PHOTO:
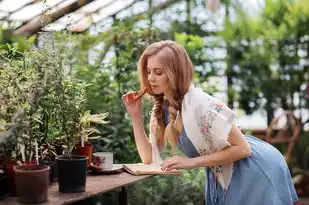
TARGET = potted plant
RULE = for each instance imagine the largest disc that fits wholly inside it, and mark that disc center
(10, 124)
(72, 169)
(23, 84)
(30, 179)
(89, 132)
(9, 135)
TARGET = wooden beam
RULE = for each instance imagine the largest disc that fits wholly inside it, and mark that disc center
(87, 14)
(35, 25)
(154, 9)
(137, 17)
(25, 22)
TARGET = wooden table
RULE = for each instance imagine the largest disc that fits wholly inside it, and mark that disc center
(95, 185)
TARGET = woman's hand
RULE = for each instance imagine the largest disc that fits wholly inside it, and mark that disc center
(178, 162)
(133, 106)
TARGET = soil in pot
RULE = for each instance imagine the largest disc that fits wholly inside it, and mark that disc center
(72, 173)
(32, 182)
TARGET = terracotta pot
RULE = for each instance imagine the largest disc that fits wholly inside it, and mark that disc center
(32, 183)
(11, 177)
(87, 151)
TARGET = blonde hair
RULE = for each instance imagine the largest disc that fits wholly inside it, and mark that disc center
(179, 70)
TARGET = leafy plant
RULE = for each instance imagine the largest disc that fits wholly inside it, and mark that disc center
(21, 88)
(40, 104)
(70, 104)
(67, 95)
(87, 128)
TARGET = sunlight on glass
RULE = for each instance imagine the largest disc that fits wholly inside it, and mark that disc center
(116, 6)
(12, 5)
(27, 12)
(93, 6)
(3, 14)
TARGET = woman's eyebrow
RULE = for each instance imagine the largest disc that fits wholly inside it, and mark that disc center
(154, 68)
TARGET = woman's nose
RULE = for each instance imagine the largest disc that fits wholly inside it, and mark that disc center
(151, 77)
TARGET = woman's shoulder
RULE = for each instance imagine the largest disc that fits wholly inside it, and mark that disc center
(198, 95)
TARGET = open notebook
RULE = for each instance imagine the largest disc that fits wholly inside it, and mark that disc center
(140, 168)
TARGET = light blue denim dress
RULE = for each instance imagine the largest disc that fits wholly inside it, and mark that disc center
(261, 179)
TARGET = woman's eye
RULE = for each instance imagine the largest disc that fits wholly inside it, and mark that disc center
(156, 72)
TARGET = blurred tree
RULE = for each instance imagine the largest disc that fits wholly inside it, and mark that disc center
(268, 56)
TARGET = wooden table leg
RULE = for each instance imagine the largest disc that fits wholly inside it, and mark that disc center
(123, 198)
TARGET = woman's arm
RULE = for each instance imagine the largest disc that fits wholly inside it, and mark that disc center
(141, 140)
(134, 108)
(239, 149)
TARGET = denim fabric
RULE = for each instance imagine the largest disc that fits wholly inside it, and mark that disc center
(261, 179)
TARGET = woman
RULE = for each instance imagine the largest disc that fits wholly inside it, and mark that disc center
(241, 170)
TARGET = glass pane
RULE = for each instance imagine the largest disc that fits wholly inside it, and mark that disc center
(3, 14)
(50, 3)
(108, 9)
(81, 20)
(12, 5)
(36, 9)
(105, 12)
(27, 12)
(93, 6)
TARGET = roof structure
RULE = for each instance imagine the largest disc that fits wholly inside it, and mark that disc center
(31, 16)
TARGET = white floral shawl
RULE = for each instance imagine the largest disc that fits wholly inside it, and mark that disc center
(207, 123)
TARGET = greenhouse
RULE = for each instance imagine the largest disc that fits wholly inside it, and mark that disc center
(163, 102)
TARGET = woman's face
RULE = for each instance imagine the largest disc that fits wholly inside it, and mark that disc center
(157, 77)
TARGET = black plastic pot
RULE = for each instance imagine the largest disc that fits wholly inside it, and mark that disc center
(52, 171)
(4, 186)
(72, 173)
